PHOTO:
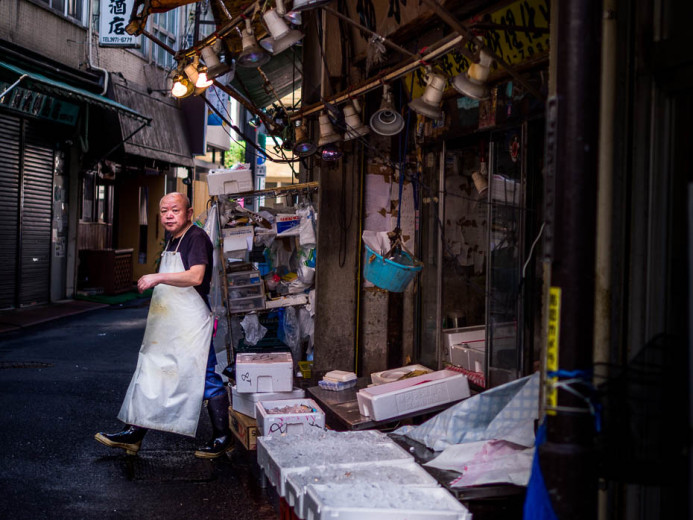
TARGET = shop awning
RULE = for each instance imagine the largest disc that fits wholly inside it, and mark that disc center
(47, 85)
(284, 72)
(165, 138)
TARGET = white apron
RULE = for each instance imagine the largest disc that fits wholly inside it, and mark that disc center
(168, 384)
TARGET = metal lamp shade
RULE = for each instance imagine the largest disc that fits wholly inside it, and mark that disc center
(215, 67)
(428, 105)
(330, 152)
(386, 121)
(276, 46)
(182, 87)
(275, 24)
(469, 87)
(252, 55)
(355, 128)
(327, 133)
(303, 147)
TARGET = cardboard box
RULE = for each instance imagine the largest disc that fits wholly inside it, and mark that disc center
(245, 403)
(244, 428)
(288, 423)
(412, 395)
(264, 372)
(224, 182)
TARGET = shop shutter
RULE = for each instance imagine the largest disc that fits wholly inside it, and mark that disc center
(9, 207)
(36, 217)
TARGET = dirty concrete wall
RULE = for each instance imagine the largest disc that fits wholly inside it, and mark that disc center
(379, 338)
(338, 250)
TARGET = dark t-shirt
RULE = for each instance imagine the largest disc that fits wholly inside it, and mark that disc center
(196, 249)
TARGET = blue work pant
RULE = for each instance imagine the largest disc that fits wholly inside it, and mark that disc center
(214, 384)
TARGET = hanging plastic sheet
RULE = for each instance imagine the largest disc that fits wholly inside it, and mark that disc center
(507, 412)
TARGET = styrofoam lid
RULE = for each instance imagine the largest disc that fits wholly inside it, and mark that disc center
(339, 376)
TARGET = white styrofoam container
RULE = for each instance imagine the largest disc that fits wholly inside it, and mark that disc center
(468, 357)
(282, 455)
(245, 403)
(381, 502)
(474, 336)
(223, 181)
(412, 395)
(297, 483)
(264, 372)
(288, 423)
(393, 374)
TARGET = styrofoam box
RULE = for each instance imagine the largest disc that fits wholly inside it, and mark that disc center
(381, 502)
(393, 374)
(245, 403)
(410, 474)
(264, 372)
(288, 423)
(282, 455)
(221, 182)
(412, 395)
(468, 357)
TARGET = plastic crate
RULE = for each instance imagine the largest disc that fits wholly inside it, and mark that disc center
(247, 304)
(244, 278)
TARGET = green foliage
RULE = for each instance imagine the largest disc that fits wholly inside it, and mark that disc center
(235, 154)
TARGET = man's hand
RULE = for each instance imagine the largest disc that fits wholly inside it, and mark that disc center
(189, 278)
(148, 281)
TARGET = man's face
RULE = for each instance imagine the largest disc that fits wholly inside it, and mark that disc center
(174, 215)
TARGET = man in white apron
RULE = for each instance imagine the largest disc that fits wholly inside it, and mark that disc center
(175, 368)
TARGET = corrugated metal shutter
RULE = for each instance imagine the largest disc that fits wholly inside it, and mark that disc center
(9, 207)
(36, 217)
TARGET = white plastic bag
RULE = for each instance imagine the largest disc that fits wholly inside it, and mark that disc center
(254, 330)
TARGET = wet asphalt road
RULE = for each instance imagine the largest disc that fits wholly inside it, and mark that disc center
(63, 381)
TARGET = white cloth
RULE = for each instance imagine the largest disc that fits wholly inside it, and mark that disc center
(167, 387)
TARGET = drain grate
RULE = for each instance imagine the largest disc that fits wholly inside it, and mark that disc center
(24, 364)
(168, 466)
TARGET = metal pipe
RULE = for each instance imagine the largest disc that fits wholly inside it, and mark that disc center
(567, 458)
(90, 35)
(385, 41)
(602, 303)
(445, 46)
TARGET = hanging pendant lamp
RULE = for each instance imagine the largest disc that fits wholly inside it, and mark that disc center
(429, 103)
(386, 121)
(327, 132)
(252, 55)
(281, 36)
(303, 146)
(354, 127)
(215, 67)
(472, 83)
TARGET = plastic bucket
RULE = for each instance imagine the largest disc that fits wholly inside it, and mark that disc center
(388, 273)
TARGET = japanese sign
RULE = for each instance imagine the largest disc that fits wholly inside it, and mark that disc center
(553, 337)
(115, 15)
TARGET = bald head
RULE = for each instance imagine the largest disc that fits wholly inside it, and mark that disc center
(176, 196)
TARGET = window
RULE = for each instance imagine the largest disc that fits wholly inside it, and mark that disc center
(165, 28)
(75, 9)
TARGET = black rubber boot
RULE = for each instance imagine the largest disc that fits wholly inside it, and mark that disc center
(130, 439)
(222, 440)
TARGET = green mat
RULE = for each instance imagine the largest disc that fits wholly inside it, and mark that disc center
(112, 299)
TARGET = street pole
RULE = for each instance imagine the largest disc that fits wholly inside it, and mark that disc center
(567, 458)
